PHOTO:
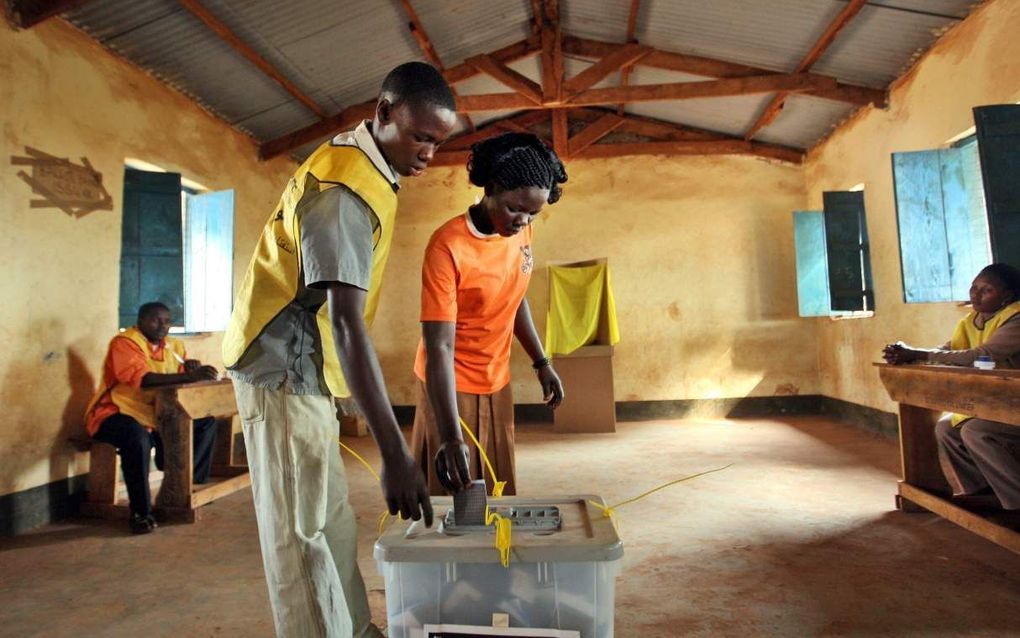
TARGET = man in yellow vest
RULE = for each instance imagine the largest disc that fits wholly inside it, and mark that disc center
(123, 410)
(298, 335)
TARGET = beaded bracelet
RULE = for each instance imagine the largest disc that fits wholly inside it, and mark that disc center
(538, 364)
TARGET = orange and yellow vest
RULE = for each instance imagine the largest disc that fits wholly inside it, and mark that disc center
(140, 403)
(272, 280)
(966, 336)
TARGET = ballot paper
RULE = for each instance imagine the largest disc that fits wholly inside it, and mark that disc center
(469, 505)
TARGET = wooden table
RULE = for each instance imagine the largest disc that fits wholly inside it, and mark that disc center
(924, 392)
(178, 498)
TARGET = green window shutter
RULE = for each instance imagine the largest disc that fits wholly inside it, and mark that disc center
(998, 135)
(152, 255)
(846, 242)
(812, 263)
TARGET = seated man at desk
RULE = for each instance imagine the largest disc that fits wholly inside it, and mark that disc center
(978, 455)
(123, 410)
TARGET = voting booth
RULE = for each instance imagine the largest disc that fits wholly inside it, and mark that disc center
(581, 330)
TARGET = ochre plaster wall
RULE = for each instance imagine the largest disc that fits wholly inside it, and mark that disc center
(61, 93)
(701, 253)
(976, 63)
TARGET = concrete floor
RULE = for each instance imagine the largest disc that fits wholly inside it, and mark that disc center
(798, 538)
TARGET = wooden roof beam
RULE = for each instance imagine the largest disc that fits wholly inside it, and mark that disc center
(635, 6)
(552, 52)
(339, 122)
(228, 36)
(711, 68)
(561, 132)
(28, 13)
(840, 22)
(615, 61)
(507, 77)
(522, 120)
(707, 147)
(417, 30)
(593, 133)
(795, 83)
(353, 114)
(673, 139)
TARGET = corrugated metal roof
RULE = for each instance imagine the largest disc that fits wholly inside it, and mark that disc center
(464, 28)
(804, 121)
(339, 52)
(880, 44)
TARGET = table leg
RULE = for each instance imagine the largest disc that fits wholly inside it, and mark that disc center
(175, 428)
(919, 453)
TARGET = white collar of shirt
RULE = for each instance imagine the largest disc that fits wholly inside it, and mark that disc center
(362, 138)
(474, 229)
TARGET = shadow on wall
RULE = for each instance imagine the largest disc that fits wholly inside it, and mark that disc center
(58, 497)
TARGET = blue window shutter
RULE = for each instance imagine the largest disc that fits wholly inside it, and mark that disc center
(966, 218)
(921, 220)
(812, 263)
(846, 241)
(998, 135)
(151, 263)
(208, 260)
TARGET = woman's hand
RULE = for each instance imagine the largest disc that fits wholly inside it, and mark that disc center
(899, 353)
(452, 465)
(552, 387)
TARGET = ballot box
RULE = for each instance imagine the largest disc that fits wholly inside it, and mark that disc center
(563, 562)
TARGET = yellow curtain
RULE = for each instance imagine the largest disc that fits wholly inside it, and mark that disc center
(581, 308)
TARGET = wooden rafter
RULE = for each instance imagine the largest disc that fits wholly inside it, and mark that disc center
(356, 112)
(507, 77)
(794, 83)
(711, 68)
(515, 122)
(228, 36)
(417, 30)
(615, 61)
(666, 138)
(840, 22)
(560, 132)
(552, 52)
(339, 122)
(635, 7)
(593, 133)
(28, 13)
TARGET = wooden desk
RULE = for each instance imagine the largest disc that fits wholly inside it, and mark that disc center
(178, 498)
(924, 392)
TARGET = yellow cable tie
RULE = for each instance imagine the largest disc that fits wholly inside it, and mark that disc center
(497, 485)
(358, 456)
(504, 532)
(610, 511)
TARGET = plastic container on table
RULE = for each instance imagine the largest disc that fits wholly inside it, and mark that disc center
(984, 362)
(561, 578)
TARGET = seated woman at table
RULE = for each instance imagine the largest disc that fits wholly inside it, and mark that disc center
(976, 454)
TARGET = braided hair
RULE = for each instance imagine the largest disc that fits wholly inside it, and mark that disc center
(1005, 275)
(516, 160)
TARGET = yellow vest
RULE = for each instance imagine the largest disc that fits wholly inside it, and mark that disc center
(140, 403)
(966, 336)
(272, 280)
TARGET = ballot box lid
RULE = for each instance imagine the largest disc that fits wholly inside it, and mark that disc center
(585, 535)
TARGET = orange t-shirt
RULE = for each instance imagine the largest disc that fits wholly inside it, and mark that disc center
(477, 281)
(125, 364)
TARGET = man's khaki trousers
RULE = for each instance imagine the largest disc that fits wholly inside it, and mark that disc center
(306, 525)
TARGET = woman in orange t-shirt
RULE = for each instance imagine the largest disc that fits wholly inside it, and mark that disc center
(474, 277)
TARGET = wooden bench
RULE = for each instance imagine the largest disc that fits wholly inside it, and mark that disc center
(924, 392)
(178, 498)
